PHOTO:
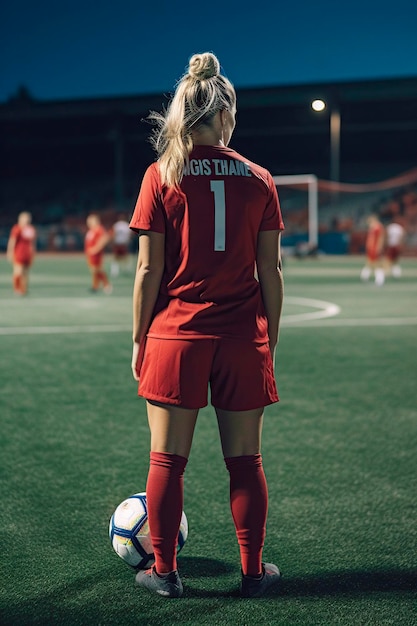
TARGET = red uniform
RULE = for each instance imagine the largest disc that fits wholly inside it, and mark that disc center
(211, 225)
(209, 291)
(373, 242)
(92, 237)
(24, 247)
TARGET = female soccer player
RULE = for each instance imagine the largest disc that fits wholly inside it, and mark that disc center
(96, 239)
(121, 237)
(208, 221)
(21, 251)
(374, 247)
(395, 233)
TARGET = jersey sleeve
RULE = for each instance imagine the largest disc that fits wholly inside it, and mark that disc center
(272, 218)
(149, 213)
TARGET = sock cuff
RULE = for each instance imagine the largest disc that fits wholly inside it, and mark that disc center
(167, 460)
(241, 463)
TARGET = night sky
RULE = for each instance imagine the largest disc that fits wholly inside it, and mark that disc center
(81, 49)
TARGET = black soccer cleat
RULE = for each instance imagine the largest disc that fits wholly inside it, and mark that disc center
(257, 587)
(168, 585)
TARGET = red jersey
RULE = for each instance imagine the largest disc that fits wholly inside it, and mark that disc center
(92, 237)
(373, 241)
(25, 239)
(211, 225)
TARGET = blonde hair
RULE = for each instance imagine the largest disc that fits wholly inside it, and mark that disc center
(93, 220)
(24, 217)
(199, 95)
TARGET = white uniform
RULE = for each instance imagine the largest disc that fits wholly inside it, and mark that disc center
(122, 233)
(395, 233)
(121, 239)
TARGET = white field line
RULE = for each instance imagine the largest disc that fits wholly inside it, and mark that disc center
(325, 309)
(325, 315)
(356, 321)
(60, 330)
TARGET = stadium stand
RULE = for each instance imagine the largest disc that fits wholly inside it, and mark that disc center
(61, 160)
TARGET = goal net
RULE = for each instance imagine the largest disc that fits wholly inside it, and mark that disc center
(331, 217)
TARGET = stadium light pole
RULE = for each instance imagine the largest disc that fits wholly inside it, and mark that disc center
(319, 105)
(116, 137)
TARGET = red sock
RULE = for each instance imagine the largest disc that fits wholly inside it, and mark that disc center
(102, 277)
(96, 280)
(249, 506)
(17, 283)
(164, 495)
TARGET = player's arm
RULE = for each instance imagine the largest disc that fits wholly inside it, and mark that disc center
(380, 241)
(10, 248)
(149, 271)
(402, 239)
(101, 244)
(33, 244)
(268, 264)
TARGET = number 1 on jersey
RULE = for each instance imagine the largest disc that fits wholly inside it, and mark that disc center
(217, 187)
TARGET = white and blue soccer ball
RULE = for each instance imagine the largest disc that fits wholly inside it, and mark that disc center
(129, 532)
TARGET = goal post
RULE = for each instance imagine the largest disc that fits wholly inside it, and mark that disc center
(310, 181)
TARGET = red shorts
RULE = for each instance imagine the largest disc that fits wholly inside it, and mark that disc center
(95, 260)
(373, 255)
(23, 259)
(393, 253)
(179, 372)
(120, 250)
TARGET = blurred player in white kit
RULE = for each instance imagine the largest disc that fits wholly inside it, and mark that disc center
(395, 234)
(121, 237)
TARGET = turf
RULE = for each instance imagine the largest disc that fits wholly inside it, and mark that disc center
(339, 452)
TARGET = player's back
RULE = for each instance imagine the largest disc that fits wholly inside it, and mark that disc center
(395, 234)
(213, 225)
(121, 232)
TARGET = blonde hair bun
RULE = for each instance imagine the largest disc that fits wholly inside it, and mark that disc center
(204, 66)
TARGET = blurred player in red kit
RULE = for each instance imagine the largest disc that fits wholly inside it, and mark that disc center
(21, 251)
(96, 239)
(208, 220)
(374, 248)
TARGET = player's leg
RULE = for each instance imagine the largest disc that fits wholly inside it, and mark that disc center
(366, 272)
(172, 431)
(24, 279)
(379, 272)
(396, 270)
(240, 434)
(95, 278)
(92, 266)
(17, 278)
(243, 377)
(102, 278)
(172, 428)
(115, 266)
(367, 269)
(241, 442)
(172, 379)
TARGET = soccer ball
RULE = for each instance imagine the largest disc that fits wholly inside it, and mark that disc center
(129, 532)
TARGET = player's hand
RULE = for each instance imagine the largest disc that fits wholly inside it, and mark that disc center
(135, 354)
(137, 358)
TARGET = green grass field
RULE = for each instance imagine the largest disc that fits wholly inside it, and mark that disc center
(339, 453)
